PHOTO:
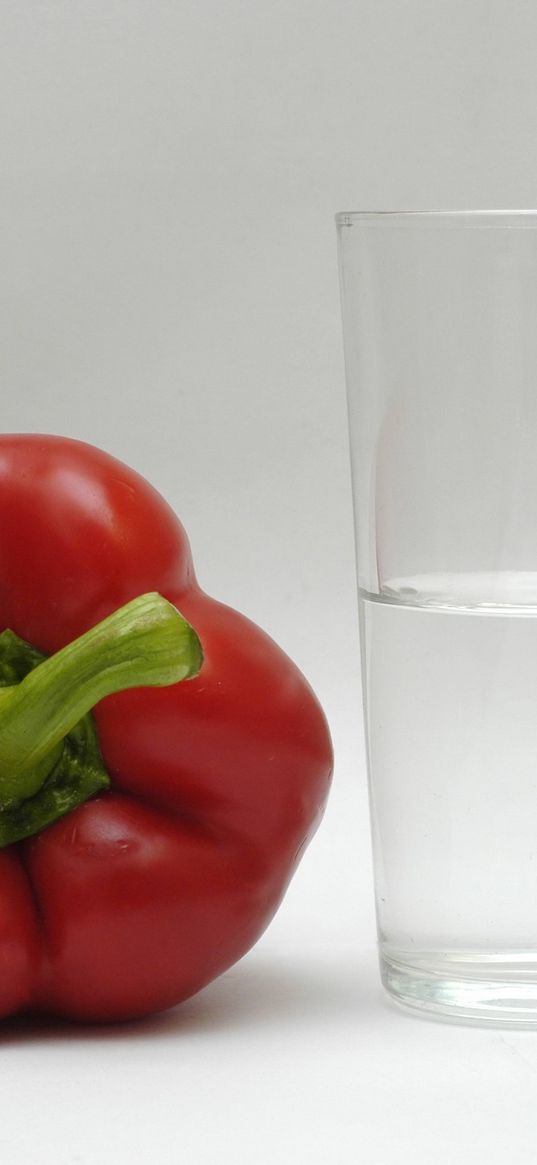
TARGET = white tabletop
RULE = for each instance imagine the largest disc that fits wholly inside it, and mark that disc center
(291, 1057)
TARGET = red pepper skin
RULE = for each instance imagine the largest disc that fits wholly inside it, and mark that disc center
(137, 899)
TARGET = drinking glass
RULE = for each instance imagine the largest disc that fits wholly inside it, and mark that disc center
(440, 337)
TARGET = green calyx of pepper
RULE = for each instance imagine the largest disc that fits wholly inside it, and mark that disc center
(50, 761)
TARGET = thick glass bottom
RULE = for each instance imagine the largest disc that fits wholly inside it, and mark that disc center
(496, 989)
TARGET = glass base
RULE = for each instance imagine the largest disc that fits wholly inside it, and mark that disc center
(497, 990)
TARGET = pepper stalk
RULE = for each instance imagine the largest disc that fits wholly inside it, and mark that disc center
(50, 760)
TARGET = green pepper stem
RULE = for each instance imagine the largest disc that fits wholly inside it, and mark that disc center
(145, 643)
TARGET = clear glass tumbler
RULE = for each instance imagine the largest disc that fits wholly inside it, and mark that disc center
(440, 332)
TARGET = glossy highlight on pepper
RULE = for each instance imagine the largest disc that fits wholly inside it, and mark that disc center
(206, 791)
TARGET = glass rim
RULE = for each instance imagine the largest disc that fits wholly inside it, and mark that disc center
(500, 218)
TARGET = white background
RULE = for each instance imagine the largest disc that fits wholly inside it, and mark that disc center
(169, 172)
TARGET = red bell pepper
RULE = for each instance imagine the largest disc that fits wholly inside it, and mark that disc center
(145, 846)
